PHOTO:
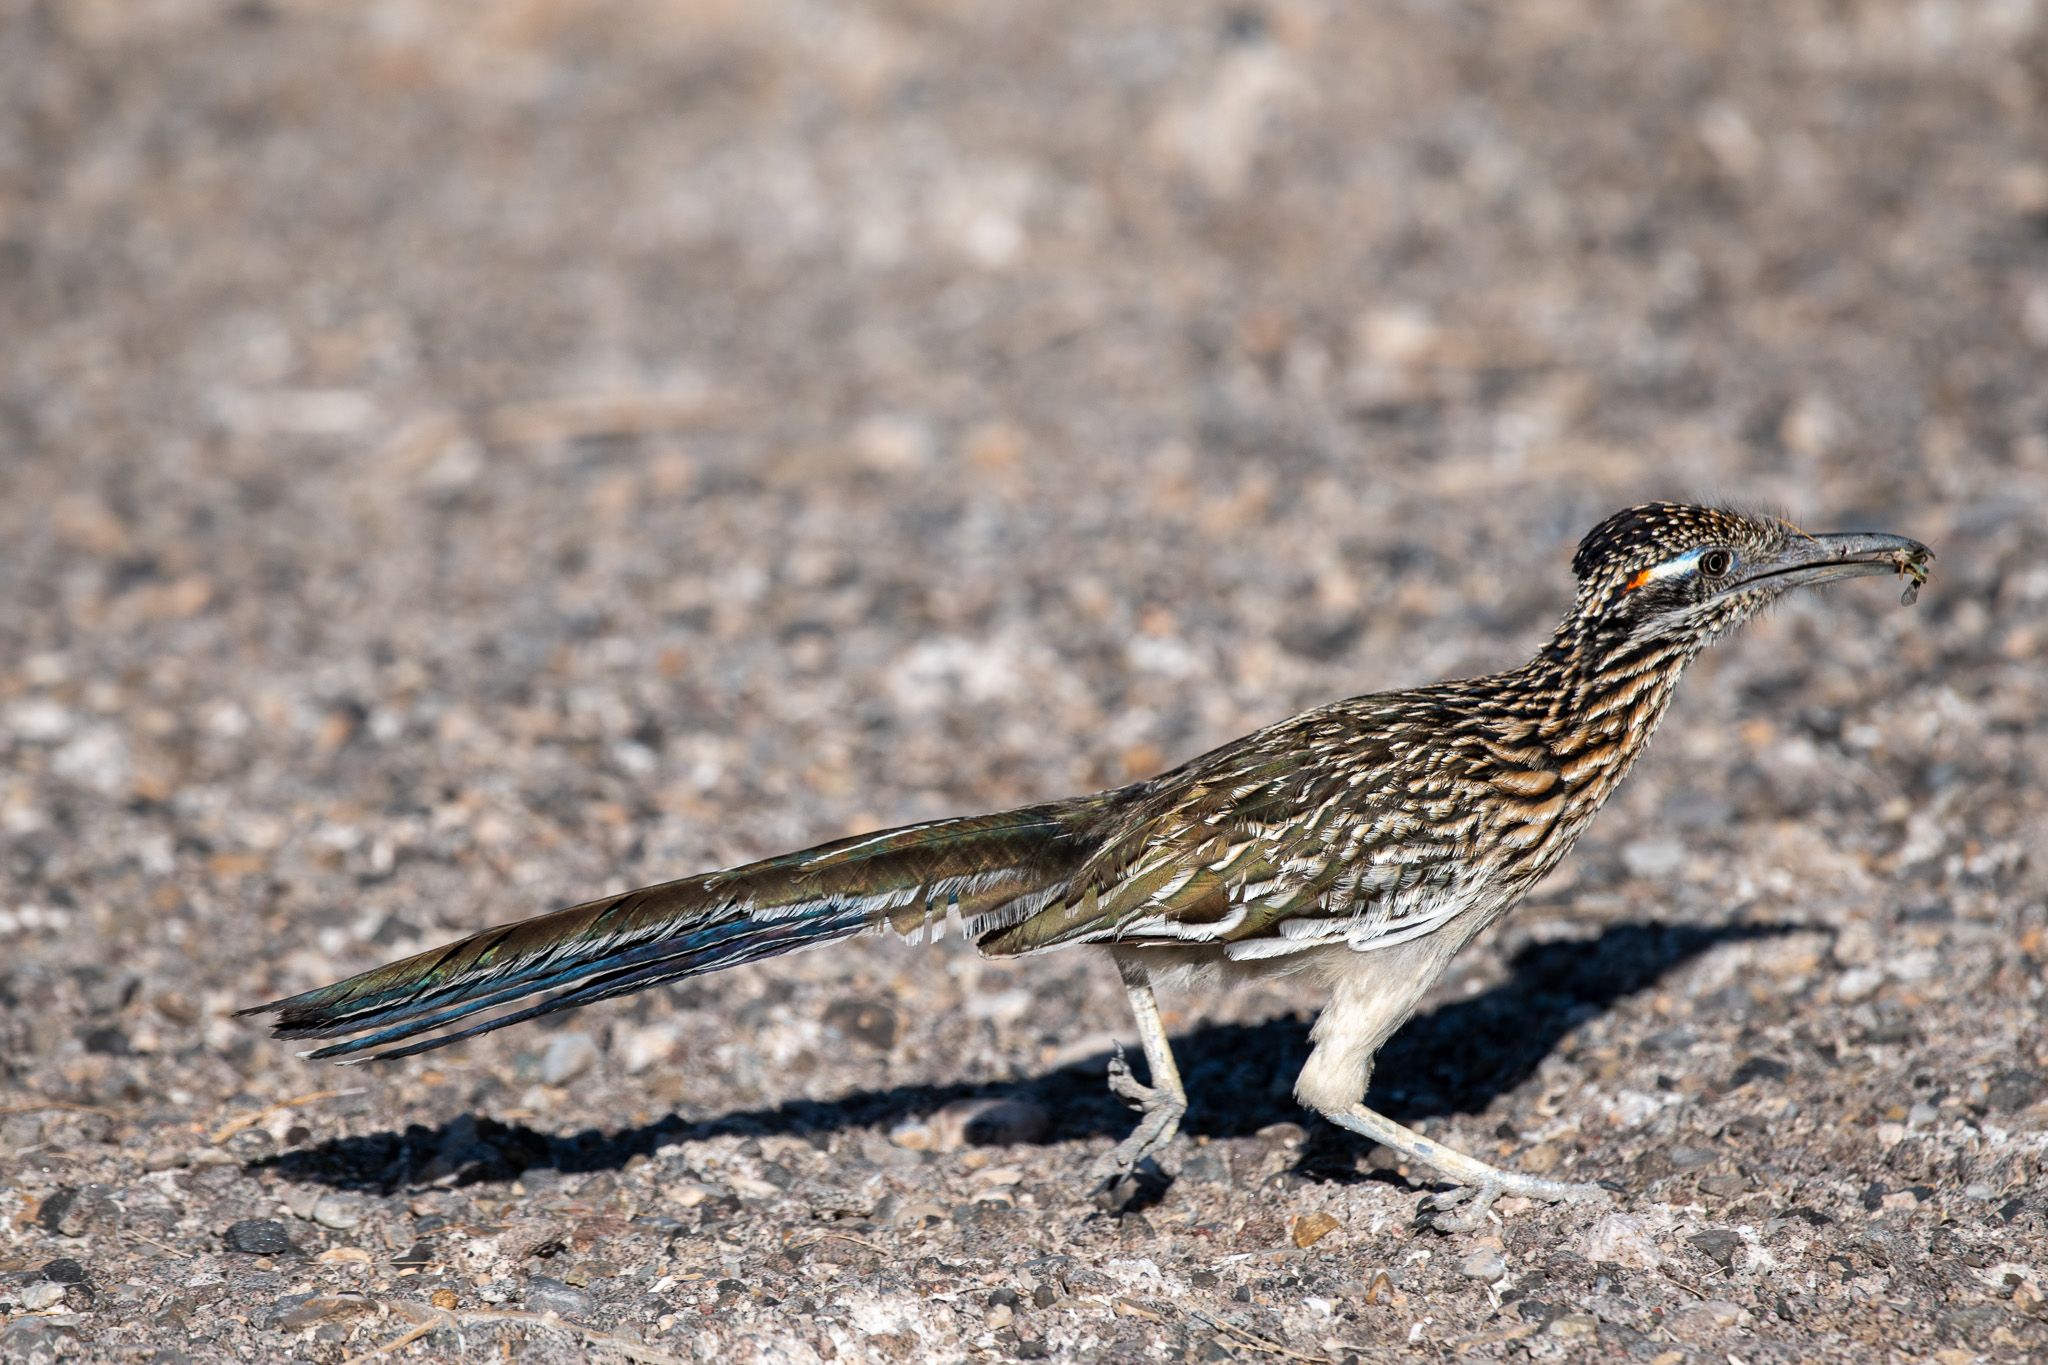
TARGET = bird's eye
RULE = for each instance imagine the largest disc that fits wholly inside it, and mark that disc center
(1716, 563)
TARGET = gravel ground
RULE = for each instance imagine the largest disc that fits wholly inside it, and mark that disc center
(461, 459)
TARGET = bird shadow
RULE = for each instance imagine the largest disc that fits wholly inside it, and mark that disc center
(1455, 1059)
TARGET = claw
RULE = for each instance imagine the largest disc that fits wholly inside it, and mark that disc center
(1161, 1117)
(1125, 1086)
(1477, 1201)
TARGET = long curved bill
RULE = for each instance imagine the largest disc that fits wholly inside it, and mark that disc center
(1841, 554)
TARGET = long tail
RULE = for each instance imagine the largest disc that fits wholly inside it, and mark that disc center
(982, 871)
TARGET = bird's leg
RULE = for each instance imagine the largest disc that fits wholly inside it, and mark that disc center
(1161, 1103)
(1479, 1184)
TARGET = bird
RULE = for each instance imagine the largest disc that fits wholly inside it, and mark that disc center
(1354, 849)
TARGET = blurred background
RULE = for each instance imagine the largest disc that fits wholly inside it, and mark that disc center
(457, 460)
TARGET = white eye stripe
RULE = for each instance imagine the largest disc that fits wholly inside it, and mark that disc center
(1671, 568)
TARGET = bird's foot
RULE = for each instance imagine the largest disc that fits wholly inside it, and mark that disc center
(1465, 1208)
(1160, 1113)
(1477, 1185)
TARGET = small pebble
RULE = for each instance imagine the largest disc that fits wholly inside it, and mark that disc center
(259, 1237)
(1486, 1265)
(1720, 1245)
(569, 1055)
(76, 1211)
(640, 1049)
(1706, 1315)
(869, 1022)
(1654, 859)
(687, 1194)
(36, 1297)
(338, 1212)
(1623, 1240)
(918, 1215)
(1312, 1228)
(2012, 1091)
(1723, 1185)
(547, 1295)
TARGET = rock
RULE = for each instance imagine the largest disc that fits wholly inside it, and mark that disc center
(259, 1237)
(547, 1295)
(918, 1215)
(569, 1055)
(36, 1297)
(18, 1131)
(1312, 1228)
(639, 1049)
(2014, 1090)
(1282, 1136)
(337, 1211)
(1758, 1068)
(75, 1211)
(1206, 1167)
(914, 1134)
(1706, 1316)
(64, 1270)
(1623, 1240)
(1719, 1245)
(40, 720)
(869, 1022)
(1486, 1265)
(106, 1040)
(1654, 859)
(687, 1194)
(35, 1341)
(97, 758)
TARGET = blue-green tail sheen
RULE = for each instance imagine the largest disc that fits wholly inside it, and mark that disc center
(981, 872)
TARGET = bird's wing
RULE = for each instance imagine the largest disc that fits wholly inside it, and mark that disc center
(1292, 837)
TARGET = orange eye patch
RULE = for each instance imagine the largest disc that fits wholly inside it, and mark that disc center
(1642, 576)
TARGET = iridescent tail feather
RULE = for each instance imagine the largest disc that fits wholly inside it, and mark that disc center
(979, 873)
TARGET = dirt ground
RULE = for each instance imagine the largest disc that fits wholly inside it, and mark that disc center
(456, 460)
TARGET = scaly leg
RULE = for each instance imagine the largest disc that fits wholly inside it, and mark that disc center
(1480, 1184)
(1161, 1103)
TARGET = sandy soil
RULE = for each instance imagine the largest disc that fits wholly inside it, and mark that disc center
(455, 460)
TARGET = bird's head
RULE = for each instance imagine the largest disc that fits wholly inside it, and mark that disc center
(1669, 571)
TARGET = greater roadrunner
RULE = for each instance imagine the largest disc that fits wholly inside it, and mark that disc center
(1359, 845)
